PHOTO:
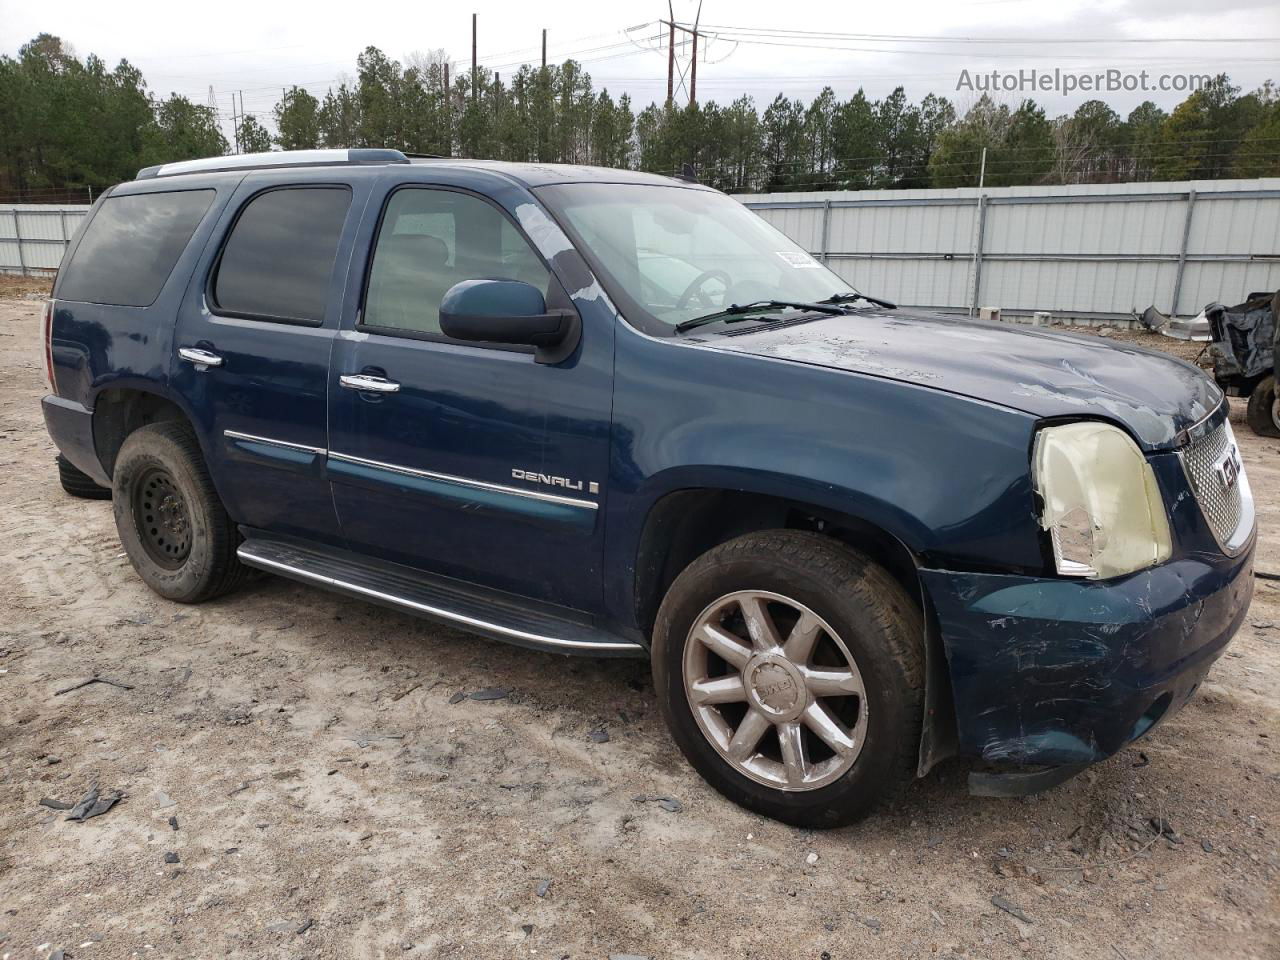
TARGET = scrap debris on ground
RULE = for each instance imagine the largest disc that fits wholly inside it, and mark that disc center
(339, 800)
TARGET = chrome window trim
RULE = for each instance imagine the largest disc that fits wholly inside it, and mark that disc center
(466, 482)
(249, 557)
(289, 445)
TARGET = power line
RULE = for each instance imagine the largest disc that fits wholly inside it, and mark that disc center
(969, 55)
(934, 38)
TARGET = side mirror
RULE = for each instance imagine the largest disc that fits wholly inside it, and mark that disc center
(508, 311)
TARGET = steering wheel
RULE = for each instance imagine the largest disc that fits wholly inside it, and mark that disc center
(696, 288)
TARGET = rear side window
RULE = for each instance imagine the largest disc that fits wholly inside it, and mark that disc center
(129, 248)
(278, 260)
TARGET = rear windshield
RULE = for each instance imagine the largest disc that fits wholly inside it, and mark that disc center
(129, 248)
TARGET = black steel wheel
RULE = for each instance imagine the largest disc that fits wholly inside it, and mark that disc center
(162, 518)
(171, 522)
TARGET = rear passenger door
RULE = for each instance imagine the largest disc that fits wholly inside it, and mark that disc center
(253, 344)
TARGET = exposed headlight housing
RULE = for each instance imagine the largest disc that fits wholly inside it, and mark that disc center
(1102, 505)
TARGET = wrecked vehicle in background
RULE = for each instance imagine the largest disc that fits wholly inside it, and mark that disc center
(1244, 356)
(617, 414)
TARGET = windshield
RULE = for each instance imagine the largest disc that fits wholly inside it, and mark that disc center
(669, 254)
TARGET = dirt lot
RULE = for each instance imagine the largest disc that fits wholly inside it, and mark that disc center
(300, 755)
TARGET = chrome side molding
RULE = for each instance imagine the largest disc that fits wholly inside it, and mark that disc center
(423, 474)
(466, 482)
(287, 444)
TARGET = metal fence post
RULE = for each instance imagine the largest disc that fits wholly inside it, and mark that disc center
(1182, 252)
(17, 237)
(826, 230)
(977, 253)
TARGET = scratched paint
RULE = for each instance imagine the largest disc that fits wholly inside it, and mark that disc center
(1095, 664)
(1043, 372)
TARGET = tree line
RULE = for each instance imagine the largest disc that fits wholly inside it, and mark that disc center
(65, 122)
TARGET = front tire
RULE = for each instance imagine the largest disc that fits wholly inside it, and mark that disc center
(790, 671)
(171, 522)
(1263, 412)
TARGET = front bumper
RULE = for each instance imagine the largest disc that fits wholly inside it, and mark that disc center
(1063, 673)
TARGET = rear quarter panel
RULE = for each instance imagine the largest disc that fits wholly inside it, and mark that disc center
(98, 346)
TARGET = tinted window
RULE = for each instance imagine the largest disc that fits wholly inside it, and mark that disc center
(278, 260)
(432, 239)
(129, 248)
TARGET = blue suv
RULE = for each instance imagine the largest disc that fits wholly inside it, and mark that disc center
(617, 414)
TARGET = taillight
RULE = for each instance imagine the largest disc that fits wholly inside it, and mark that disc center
(47, 320)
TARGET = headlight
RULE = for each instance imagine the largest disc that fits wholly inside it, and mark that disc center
(1102, 506)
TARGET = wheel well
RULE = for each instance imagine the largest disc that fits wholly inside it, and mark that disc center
(117, 413)
(687, 523)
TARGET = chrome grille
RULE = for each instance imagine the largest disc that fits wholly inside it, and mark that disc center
(1222, 506)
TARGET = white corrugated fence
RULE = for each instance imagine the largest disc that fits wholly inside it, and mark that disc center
(33, 235)
(1085, 251)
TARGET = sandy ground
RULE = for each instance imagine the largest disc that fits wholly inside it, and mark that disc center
(331, 801)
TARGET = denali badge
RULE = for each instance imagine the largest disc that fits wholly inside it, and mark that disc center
(552, 481)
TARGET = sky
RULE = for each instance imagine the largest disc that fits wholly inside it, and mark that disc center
(748, 46)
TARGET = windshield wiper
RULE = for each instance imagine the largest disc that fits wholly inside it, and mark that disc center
(736, 312)
(850, 297)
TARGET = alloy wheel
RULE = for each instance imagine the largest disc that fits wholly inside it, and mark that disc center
(775, 690)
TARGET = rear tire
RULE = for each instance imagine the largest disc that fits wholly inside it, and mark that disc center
(865, 670)
(1262, 414)
(79, 484)
(171, 522)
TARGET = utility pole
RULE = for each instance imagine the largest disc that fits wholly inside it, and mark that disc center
(544, 48)
(448, 111)
(235, 123)
(671, 54)
(474, 90)
(692, 32)
(693, 71)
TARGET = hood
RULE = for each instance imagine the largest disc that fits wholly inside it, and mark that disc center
(1046, 373)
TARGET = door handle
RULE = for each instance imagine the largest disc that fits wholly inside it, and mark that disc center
(362, 381)
(201, 358)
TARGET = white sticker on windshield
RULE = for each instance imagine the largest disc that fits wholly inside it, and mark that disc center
(801, 261)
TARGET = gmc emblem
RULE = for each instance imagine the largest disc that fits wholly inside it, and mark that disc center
(1227, 468)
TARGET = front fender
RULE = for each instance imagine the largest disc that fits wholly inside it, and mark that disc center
(948, 476)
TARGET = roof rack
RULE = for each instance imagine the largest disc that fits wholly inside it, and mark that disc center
(277, 158)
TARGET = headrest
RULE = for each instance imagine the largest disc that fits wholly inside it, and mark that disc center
(420, 251)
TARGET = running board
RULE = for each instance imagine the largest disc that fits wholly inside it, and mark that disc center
(492, 614)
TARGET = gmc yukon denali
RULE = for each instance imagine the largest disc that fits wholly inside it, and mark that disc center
(617, 414)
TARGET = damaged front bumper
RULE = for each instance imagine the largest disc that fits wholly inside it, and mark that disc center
(1062, 673)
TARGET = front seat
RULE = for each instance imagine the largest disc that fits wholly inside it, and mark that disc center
(411, 275)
